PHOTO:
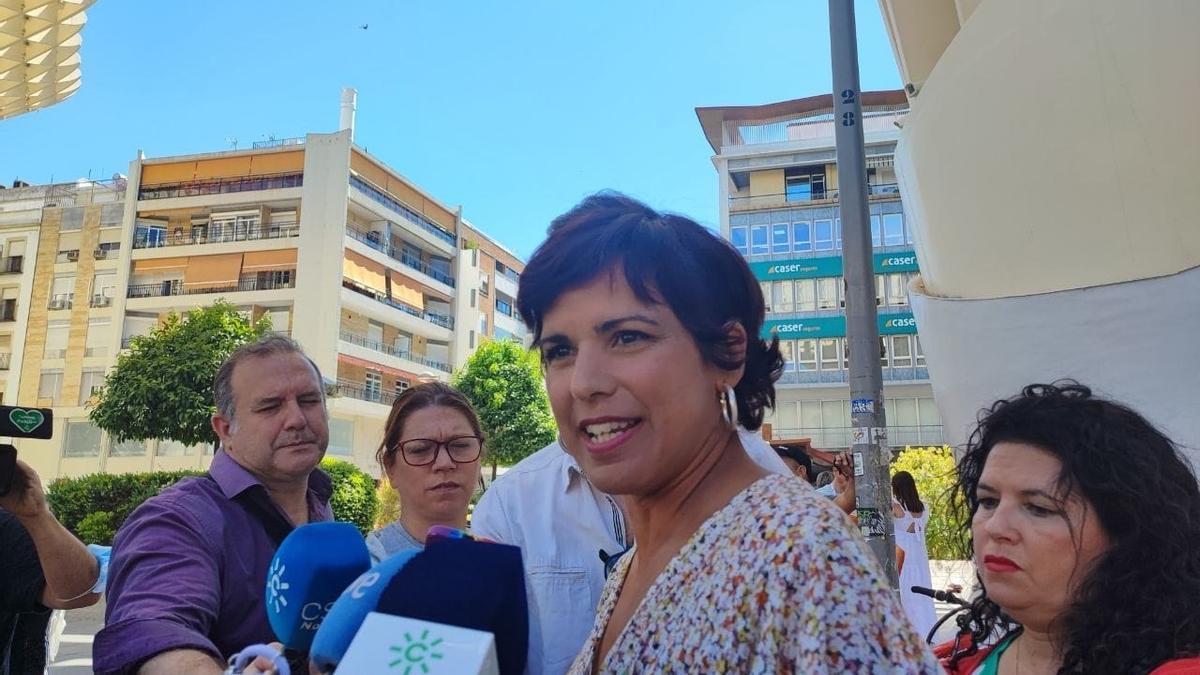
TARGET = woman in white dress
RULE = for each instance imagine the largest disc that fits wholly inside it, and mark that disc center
(910, 517)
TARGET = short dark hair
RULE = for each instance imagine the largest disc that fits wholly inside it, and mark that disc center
(267, 345)
(1136, 606)
(798, 456)
(424, 395)
(666, 259)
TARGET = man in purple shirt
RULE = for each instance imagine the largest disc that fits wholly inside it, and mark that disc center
(189, 566)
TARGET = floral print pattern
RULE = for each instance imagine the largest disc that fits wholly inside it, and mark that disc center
(777, 581)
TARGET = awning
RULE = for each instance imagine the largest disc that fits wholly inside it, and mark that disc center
(213, 270)
(159, 264)
(363, 271)
(363, 363)
(262, 261)
(405, 293)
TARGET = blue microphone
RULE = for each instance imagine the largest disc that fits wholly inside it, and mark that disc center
(311, 568)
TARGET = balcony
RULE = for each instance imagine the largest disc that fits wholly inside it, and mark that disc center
(775, 200)
(412, 216)
(842, 376)
(378, 346)
(216, 186)
(839, 437)
(12, 264)
(372, 240)
(5, 361)
(378, 296)
(364, 393)
(144, 240)
(169, 288)
(67, 256)
(62, 301)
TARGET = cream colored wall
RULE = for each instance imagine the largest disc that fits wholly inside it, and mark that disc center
(767, 183)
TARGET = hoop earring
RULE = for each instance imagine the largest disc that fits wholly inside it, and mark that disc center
(729, 410)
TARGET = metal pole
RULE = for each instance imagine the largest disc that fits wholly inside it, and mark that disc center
(869, 430)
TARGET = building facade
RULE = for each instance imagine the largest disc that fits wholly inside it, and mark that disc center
(298, 231)
(777, 171)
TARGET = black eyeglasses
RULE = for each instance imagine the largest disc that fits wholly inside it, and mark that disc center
(424, 451)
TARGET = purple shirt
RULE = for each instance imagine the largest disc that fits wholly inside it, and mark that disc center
(189, 569)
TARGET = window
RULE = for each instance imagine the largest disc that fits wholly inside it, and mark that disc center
(402, 343)
(806, 354)
(918, 353)
(82, 440)
(62, 292)
(401, 386)
(830, 357)
(440, 267)
(483, 324)
(758, 240)
(827, 293)
(781, 300)
(802, 184)
(341, 437)
(802, 237)
(897, 291)
(798, 189)
(56, 339)
(893, 229)
(837, 233)
(737, 236)
(765, 286)
(90, 385)
(483, 284)
(437, 351)
(374, 335)
(780, 238)
(806, 295)
(880, 295)
(785, 350)
(128, 448)
(50, 386)
(901, 351)
(149, 234)
(173, 449)
(504, 305)
(876, 237)
(823, 235)
(373, 385)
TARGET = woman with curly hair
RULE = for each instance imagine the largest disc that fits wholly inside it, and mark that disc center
(1085, 529)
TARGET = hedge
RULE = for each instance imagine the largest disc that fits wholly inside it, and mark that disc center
(93, 507)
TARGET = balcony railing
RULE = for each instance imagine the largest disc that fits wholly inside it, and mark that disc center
(12, 264)
(364, 393)
(379, 296)
(373, 240)
(62, 301)
(277, 142)
(167, 288)
(378, 346)
(392, 203)
(216, 186)
(842, 376)
(226, 235)
(839, 437)
(883, 190)
(5, 361)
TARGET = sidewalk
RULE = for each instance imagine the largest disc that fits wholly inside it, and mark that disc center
(75, 645)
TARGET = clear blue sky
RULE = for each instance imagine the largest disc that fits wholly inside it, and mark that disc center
(515, 110)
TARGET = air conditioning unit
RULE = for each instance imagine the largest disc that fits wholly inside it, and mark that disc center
(100, 254)
(101, 301)
(73, 255)
(58, 303)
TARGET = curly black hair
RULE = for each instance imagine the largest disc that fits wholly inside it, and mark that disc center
(1137, 605)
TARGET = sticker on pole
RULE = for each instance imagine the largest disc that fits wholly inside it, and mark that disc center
(879, 435)
(862, 405)
(858, 464)
(859, 435)
(870, 522)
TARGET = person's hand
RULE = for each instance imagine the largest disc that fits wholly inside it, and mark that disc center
(25, 499)
(263, 665)
(843, 471)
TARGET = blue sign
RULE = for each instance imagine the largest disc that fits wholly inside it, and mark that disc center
(862, 405)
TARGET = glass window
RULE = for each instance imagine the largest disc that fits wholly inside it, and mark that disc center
(82, 440)
(766, 293)
(374, 334)
(823, 235)
(901, 351)
(341, 437)
(806, 354)
(786, 350)
(128, 448)
(758, 240)
(90, 385)
(737, 236)
(876, 237)
(893, 229)
(837, 233)
(897, 291)
(802, 237)
(908, 235)
(373, 385)
(782, 300)
(880, 296)
(827, 293)
(173, 449)
(903, 413)
(810, 415)
(919, 354)
(806, 295)
(833, 415)
(928, 412)
(799, 189)
(780, 238)
(50, 385)
(830, 358)
(402, 343)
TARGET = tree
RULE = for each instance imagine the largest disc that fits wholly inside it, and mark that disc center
(933, 471)
(503, 380)
(162, 388)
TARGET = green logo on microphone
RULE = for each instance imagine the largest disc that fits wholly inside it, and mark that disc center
(416, 653)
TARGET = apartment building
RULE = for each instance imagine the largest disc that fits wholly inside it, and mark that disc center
(777, 172)
(300, 231)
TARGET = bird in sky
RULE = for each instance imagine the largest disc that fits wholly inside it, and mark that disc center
(364, 26)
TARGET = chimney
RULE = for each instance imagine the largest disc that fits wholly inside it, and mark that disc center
(349, 100)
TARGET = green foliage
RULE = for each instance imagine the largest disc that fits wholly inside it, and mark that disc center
(354, 498)
(389, 504)
(932, 469)
(162, 388)
(503, 380)
(95, 506)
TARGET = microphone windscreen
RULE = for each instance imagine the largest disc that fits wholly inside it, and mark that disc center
(359, 598)
(311, 568)
(470, 584)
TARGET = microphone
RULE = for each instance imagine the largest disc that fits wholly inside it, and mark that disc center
(311, 568)
(460, 603)
(941, 596)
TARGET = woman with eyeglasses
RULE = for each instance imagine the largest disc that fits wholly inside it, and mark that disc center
(430, 454)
